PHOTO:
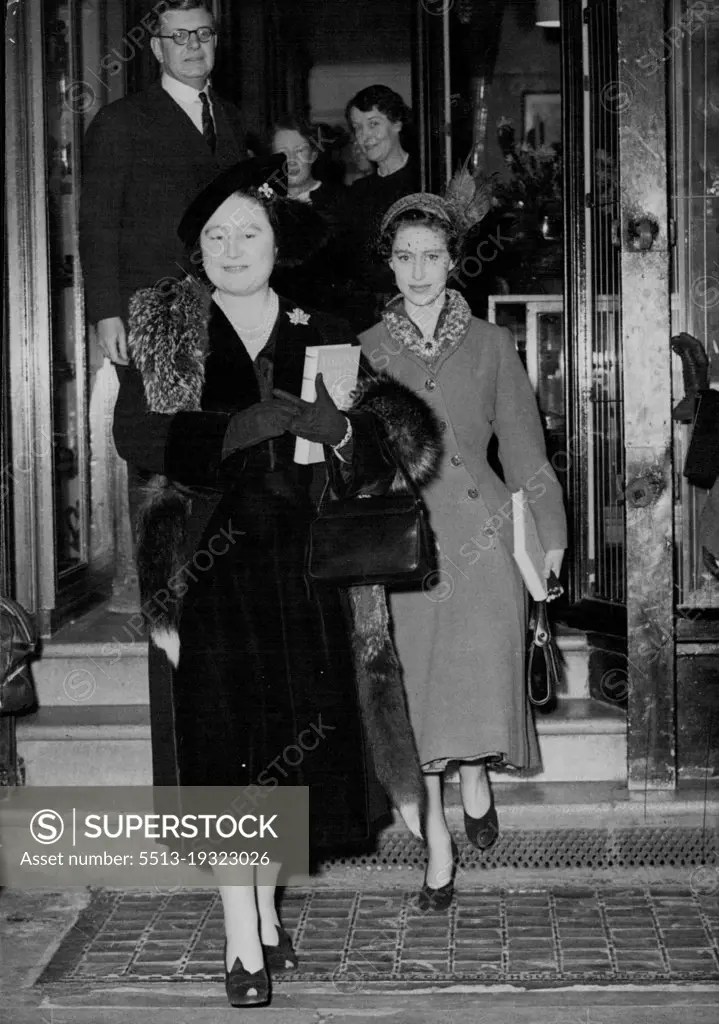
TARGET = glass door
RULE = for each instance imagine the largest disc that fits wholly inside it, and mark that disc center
(489, 77)
(67, 329)
(60, 396)
(605, 576)
(695, 271)
(78, 79)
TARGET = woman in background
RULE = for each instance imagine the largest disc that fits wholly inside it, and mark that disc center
(462, 645)
(379, 121)
(319, 281)
(356, 164)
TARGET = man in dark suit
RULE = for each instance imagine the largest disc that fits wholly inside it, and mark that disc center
(146, 156)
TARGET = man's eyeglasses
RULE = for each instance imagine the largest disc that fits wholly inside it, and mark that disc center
(181, 36)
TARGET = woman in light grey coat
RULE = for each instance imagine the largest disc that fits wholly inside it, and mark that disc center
(462, 642)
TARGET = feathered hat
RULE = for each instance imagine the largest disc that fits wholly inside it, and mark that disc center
(465, 203)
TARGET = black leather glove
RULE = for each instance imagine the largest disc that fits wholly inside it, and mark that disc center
(260, 422)
(319, 421)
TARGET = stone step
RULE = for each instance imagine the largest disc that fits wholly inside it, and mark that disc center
(583, 740)
(86, 745)
(574, 650)
(99, 659)
(112, 669)
(109, 744)
(92, 674)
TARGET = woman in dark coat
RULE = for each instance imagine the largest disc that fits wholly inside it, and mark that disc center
(379, 121)
(243, 658)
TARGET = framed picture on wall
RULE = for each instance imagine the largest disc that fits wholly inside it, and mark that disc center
(542, 118)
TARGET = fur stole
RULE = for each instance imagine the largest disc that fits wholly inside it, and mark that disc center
(168, 343)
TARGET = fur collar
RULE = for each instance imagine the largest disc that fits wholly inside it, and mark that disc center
(169, 341)
(452, 325)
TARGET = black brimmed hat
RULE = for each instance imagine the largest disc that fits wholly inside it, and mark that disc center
(264, 179)
(299, 229)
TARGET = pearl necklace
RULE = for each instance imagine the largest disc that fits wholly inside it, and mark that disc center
(254, 338)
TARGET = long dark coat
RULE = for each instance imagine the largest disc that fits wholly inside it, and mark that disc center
(262, 660)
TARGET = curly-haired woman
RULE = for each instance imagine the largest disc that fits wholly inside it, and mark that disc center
(379, 121)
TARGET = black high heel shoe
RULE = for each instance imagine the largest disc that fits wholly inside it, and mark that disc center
(483, 832)
(243, 988)
(438, 900)
(281, 957)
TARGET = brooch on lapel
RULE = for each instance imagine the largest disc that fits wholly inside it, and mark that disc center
(298, 316)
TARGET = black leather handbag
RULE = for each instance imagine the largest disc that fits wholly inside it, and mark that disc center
(368, 540)
(17, 643)
(543, 659)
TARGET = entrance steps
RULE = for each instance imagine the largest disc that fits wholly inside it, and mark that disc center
(93, 725)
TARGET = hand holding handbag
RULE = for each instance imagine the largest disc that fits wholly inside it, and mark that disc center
(17, 643)
(385, 540)
(542, 658)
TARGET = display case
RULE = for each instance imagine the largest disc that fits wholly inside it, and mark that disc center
(536, 322)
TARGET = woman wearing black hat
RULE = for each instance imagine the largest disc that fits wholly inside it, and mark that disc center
(243, 658)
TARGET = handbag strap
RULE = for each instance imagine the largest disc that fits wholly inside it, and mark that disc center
(391, 457)
(540, 622)
(541, 644)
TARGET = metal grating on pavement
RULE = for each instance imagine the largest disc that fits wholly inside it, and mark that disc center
(360, 940)
(558, 849)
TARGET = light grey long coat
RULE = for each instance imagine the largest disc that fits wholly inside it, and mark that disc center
(462, 644)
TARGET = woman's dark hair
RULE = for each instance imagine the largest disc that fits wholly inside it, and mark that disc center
(298, 228)
(154, 18)
(386, 100)
(450, 230)
(326, 142)
(288, 123)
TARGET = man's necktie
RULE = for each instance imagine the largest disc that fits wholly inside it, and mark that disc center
(208, 125)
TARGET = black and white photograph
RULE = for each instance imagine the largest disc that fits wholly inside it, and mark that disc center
(359, 519)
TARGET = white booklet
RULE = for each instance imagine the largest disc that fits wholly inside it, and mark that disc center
(339, 366)
(528, 550)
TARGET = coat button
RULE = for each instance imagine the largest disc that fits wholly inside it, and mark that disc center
(430, 384)
(456, 460)
(443, 425)
(473, 493)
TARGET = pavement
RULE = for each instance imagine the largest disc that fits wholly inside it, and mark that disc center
(609, 917)
(542, 948)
